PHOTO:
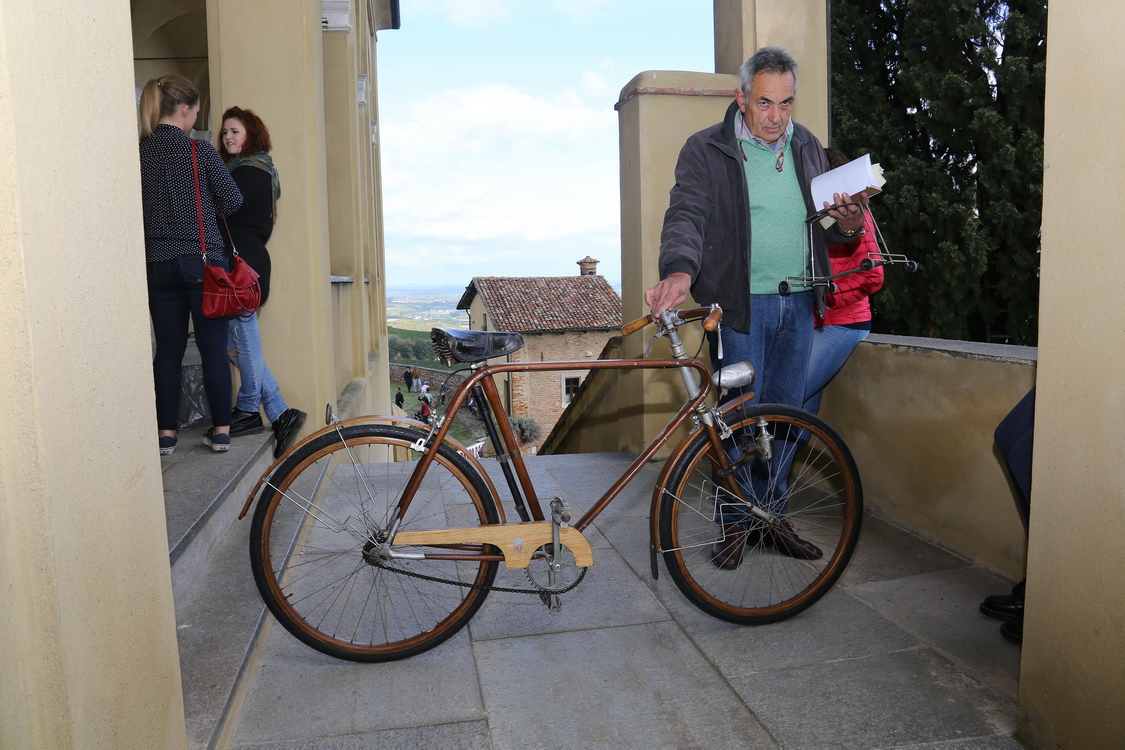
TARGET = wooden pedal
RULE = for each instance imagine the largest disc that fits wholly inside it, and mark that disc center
(518, 541)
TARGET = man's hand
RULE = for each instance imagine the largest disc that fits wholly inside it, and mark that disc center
(849, 218)
(668, 293)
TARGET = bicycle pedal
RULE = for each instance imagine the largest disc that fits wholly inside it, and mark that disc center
(553, 601)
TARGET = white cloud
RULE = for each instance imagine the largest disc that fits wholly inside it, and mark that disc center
(470, 13)
(497, 165)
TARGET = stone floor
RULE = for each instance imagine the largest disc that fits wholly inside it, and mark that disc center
(895, 656)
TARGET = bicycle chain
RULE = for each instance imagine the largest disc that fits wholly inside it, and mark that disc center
(502, 589)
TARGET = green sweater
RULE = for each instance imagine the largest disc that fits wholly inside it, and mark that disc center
(777, 219)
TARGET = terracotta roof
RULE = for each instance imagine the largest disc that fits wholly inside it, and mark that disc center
(546, 303)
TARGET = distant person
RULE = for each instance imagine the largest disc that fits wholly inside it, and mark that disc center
(443, 393)
(399, 398)
(426, 389)
(417, 373)
(847, 320)
(174, 251)
(244, 144)
(408, 378)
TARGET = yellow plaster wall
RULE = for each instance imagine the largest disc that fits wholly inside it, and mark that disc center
(272, 63)
(919, 420)
(88, 654)
(1072, 684)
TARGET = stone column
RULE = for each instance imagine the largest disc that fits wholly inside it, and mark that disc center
(1071, 684)
(801, 26)
(272, 63)
(88, 655)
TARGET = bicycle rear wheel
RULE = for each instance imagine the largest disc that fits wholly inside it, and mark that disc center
(811, 483)
(321, 515)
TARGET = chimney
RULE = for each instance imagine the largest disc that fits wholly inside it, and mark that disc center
(588, 266)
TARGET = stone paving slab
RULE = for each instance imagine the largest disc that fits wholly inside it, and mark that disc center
(461, 736)
(641, 686)
(629, 662)
(299, 693)
(610, 595)
(885, 552)
(883, 701)
(940, 609)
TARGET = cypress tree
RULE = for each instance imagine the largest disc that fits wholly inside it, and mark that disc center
(948, 97)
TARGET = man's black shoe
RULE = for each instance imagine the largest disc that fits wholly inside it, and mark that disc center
(245, 422)
(1012, 630)
(1005, 606)
(284, 428)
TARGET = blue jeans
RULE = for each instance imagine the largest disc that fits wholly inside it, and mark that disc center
(778, 345)
(258, 384)
(175, 293)
(1015, 437)
(831, 347)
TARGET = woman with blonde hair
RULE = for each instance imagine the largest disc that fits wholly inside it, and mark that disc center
(244, 144)
(175, 215)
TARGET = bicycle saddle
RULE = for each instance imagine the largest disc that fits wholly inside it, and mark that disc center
(455, 345)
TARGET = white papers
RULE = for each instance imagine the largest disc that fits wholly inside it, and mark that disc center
(855, 177)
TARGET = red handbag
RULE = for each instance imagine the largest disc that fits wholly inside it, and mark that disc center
(225, 293)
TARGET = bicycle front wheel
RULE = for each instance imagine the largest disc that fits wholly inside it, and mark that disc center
(324, 511)
(725, 559)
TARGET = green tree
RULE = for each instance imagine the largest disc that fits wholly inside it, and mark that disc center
(948, 97)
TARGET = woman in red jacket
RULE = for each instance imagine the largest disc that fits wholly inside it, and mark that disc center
(848, 318)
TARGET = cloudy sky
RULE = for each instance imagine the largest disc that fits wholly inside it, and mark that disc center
(498, 134)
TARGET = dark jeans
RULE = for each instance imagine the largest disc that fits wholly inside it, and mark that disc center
(175, 290)
(1015, 436)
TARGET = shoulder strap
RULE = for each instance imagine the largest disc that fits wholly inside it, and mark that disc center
(198, 201)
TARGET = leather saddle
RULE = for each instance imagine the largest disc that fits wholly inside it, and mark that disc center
(455, 345)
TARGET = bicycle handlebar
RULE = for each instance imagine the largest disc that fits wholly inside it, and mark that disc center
(711, 317)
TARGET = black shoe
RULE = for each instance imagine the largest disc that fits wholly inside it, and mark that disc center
(284, 428)
(244, 422)
(217, 442)
(167, 445)
(1005, 606)
(1012, 630)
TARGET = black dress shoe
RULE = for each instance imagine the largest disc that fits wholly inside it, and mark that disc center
(727, 552)
(1005, 606)
(784, 539)
(284, 428)
(1012, 630)
(244, 422)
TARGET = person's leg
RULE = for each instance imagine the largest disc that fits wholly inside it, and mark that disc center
(246, 344)
(168, 306)
(1014, 439)
(211, 337)
(831, 347)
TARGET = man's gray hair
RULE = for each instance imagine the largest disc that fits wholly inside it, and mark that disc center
(768, 60)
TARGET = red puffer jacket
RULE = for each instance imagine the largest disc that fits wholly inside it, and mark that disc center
(850, 304)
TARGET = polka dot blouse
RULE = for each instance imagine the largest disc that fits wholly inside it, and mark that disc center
(168, 193)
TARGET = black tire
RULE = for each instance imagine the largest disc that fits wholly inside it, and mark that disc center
(822, 500)
(326, 505)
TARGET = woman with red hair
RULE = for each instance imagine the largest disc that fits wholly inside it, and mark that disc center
(244, 144)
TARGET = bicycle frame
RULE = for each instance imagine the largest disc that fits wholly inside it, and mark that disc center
(515, 538)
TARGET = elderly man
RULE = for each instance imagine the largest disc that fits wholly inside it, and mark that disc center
(754, 169)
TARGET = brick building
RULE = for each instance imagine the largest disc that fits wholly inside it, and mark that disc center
(560, 317)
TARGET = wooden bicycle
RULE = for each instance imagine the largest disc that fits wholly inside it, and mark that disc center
(378, 538)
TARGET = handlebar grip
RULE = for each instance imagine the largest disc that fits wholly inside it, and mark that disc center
(635, 326)
(711, 322)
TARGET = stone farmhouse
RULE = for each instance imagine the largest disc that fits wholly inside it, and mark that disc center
(560, 317)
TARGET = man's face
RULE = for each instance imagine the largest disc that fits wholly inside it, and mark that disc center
(769, 105)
